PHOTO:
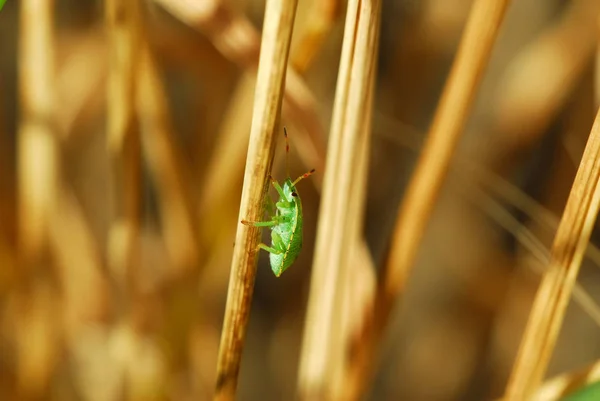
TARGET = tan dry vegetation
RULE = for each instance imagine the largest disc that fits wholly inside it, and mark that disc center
(449, 224)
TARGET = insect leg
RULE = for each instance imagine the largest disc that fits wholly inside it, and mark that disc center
(277, 241)
(269, 249)
(277, 187)
(269, 223)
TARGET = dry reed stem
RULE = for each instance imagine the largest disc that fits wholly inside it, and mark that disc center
(540, 79)
(361, 285)
(277, 33)
(321, 18)
(457, 99)
(238, 41)
(323, 354)
(37, 146)
(37, 343)
(168, 167)
(555, 290)
(560, 386)
(476, 45)
(124, 38)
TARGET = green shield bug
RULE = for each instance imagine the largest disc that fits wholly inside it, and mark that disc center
(287, 223)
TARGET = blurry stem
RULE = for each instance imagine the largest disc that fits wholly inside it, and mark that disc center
(451, 115)
(457, 99)
(37, 145)
(277, 33)
(554, 293)
(123, 24)
(323, 351)
(36, 338)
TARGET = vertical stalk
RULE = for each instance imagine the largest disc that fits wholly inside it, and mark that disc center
(123, 24)
(446, 130)
(323, 352)
(36, 330)
(37, 146)
(272, 65)
(554, 293)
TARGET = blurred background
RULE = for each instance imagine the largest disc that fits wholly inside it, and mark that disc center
(123, 137)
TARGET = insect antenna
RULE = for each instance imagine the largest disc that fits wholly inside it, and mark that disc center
(303, 176)
(287, 152)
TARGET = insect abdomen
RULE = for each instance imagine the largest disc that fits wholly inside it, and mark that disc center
(291, 236)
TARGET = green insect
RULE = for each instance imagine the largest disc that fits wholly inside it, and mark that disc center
(287, 223)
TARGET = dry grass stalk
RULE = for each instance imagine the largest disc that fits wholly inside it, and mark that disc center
(457, 99)
(168, 167)
(323, 354)
(235, 37)
(124, 30)
(277, 32)
(36, 316)
(37, 145)
(476, 45)
(569, 246)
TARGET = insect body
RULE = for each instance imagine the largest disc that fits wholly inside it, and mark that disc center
(286, 225)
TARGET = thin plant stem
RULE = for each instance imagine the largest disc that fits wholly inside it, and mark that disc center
(457, 99)
(37, 144)
(123, 23)
(323, 350)
(272, 66)
(37, 179)
(554, 293)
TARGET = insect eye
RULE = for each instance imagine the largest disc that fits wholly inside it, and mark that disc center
(294, 194)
